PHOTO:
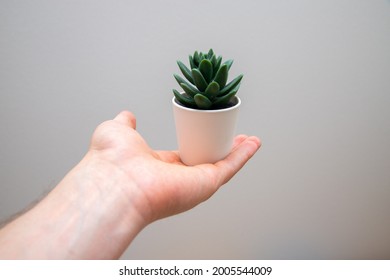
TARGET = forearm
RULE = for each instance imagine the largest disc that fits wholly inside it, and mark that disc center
(87, 216)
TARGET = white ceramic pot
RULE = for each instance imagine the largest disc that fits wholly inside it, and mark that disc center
(204, 136)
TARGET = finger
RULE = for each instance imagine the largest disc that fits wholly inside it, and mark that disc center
(238, 140)
(239, 156)
(173, 156)
(127, 118)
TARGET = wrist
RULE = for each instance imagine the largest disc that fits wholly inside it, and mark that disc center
(104, 200)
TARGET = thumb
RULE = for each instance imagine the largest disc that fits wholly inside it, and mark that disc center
(244, 149)
(126, 118)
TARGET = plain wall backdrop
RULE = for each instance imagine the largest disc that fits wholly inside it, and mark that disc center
(316, 89)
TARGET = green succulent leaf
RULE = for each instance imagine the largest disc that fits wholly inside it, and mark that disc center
(222, 76)
(224, 100)
(199, 80)
(213, 60)
(186, 72)
(192, 63)
(186, 101)
(206, 68)
(196, 59)
(202, 101)
(230, 86)
(190, 90)
(210, 54)
(181, 81)
(229, 63)
(212, 90)
(217, 63)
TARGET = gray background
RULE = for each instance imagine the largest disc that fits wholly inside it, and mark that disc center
(316, 90)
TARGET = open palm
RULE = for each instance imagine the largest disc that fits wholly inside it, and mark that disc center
(164, 185)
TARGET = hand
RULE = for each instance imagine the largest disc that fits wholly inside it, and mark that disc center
(166, 186)
(118, 188)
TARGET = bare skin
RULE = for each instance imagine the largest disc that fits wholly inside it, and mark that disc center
(117, 189)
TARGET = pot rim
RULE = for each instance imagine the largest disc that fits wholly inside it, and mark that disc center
(207, 111)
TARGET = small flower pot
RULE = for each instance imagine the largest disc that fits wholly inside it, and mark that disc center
(205, 136)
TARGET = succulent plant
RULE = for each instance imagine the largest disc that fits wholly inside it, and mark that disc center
(206, 86)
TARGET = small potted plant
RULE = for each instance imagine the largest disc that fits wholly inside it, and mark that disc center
(206, 110)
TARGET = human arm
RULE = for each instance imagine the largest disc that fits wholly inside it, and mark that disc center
(118, 188)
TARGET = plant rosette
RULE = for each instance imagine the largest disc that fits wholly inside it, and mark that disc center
(206, 112)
